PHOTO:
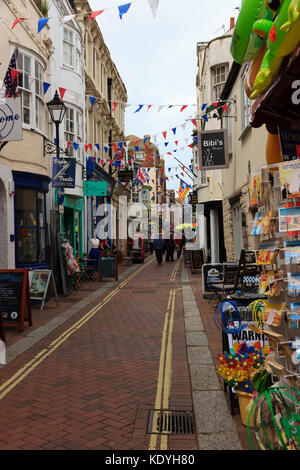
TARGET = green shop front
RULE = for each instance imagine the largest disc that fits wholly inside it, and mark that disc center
(71, 222)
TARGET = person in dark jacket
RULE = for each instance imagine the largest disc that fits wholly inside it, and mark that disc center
(159, 246)
(182, 243)
(170, 248)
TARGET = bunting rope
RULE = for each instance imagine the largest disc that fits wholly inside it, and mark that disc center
(122, 10)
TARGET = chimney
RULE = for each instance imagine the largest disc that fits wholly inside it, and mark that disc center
(232, 23)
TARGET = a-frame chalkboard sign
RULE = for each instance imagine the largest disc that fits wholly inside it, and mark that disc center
(15, 297)
(108, 267)
(186, 257)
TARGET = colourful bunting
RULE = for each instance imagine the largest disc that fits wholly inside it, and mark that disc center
(139, 108)
(123, 9)
(154, 6)
(95, 13)
(46, 87)
(92, 99)
(17, 21)
(183, 107)
(42, 23)
(194, 122)
(61, 92)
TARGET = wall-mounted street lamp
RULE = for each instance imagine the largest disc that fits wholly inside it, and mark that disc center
(57, 110)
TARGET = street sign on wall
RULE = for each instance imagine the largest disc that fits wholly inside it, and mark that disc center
(213, 149)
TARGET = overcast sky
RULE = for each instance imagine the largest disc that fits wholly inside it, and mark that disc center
(156, 59)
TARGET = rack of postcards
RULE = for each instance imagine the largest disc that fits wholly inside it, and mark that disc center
(274, 202)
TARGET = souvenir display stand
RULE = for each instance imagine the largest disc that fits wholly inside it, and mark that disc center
(275, 202)
(275, 206)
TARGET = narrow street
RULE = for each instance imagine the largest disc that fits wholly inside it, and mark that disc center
(92, 383)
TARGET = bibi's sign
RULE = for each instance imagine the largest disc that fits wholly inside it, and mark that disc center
(10, 119)
(213, 149)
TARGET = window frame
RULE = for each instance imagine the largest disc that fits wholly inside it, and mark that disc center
(217, 86)
(38, 229)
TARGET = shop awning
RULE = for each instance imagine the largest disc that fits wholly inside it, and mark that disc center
(276, 108)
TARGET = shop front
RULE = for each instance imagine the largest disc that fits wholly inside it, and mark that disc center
(72, 222)
(31, 237)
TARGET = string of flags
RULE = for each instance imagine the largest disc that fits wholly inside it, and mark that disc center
(122, 10)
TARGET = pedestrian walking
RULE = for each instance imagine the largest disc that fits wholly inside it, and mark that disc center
(182, 243)
(170, 248)
(159, 246)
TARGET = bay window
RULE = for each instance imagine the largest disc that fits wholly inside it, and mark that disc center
(30, 84)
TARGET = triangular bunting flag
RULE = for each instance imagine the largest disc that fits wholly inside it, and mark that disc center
(183, 107)
(17, 21)
(203, 107)
(164, 134)
(95, 13)
(92, 99)
(149, 106)
(46, 87)
(123, 9)
(42, 23)
(115, 104)
(67, 18)
(139, 108)
(154, 6)
(194, 122)
(62, 92)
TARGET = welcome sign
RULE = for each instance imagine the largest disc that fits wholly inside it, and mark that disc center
(10, 119)
(213, 149)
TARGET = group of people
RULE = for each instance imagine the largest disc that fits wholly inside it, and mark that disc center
(168, 246)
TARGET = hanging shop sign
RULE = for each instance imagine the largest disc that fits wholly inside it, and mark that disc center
(10, 119)
(290, 143)
(63, 174)
(213, 149)
(95, 188)
(15, 297)
(125, 175)
(108, 267)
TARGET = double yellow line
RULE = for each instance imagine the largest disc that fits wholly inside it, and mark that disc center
(164, 373)
(175, 269)
(20, 375)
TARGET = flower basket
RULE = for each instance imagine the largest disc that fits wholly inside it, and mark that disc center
(239, 369)
(245, 402)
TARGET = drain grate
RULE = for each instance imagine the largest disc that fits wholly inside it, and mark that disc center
(170, 422)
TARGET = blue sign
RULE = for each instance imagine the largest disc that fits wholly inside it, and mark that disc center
(290, 143)
(63, 175)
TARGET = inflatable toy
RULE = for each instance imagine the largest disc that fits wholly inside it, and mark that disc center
(253, 71)
(282, 36)
(245, 44)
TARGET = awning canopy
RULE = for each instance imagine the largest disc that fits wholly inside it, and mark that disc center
(276, 108)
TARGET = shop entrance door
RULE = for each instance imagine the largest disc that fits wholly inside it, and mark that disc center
(69, 224)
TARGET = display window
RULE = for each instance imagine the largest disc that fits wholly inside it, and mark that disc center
(31, 235)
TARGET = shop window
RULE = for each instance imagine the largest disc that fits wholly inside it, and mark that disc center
(246, 105)
(73, 129)
(30, 227)
(30, 83)
(219, 77)
(68, 47)
(135, 197)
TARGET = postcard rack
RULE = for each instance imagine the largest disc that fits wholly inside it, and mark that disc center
(274, 202)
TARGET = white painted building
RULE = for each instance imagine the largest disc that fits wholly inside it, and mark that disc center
(214, 62)
(66, 71)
